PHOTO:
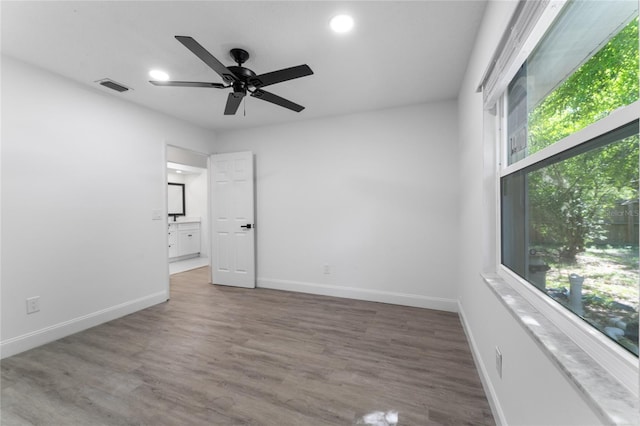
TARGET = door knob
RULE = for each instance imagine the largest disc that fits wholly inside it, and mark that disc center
(248, 226)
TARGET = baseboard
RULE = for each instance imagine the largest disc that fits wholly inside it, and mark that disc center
(185, 257)
(414, 300)
(494, 403)
(22, 343)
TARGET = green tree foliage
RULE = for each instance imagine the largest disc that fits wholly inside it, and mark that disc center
(569, 200)
(607, 81)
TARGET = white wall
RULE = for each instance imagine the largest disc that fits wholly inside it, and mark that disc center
(82, 172)
(532, 390)
(196, 187)
(372, 195)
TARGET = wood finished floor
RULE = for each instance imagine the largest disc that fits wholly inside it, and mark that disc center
(224, 356)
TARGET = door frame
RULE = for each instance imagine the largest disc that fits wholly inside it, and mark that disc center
(165, 148)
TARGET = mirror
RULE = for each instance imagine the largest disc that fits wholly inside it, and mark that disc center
(176, 205)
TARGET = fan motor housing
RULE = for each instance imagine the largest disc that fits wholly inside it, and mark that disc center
(242, 73)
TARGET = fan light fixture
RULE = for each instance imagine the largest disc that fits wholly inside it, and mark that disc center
(159, 75)
(341, 23)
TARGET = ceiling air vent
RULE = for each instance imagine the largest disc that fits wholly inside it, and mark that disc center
(106, 82)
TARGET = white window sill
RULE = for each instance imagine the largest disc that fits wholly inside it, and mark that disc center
(609, 399)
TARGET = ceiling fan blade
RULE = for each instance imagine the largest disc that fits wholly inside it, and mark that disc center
(207, 58)
(188, 84)
(233, 102)
(275, 99)
(279, 76)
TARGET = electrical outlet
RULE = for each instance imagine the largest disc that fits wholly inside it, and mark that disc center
(499, 362)
(33, 304)
(327, 269)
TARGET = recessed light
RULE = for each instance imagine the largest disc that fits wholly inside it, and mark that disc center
(341, 23)
(178, 171)
(159, 75)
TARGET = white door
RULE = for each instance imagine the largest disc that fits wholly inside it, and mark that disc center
(232, 237)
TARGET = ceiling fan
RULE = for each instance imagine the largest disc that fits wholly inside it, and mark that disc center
(241, 79)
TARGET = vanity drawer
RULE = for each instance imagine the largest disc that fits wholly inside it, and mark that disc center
(188, 242)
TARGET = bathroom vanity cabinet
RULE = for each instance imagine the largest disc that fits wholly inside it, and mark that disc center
(183, 239)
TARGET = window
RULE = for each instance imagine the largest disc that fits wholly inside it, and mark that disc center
(570, 228)
(575, 76)
(569, 183)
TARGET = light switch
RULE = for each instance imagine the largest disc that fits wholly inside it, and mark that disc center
(156, 214)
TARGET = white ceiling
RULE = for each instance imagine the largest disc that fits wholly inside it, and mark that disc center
(184, 169)
(400, 53)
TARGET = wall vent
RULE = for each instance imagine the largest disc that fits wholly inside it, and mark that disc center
(107, 82)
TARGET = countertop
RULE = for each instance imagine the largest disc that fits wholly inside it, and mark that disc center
(185, 220)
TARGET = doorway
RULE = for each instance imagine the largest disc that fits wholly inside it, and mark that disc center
(188, 236)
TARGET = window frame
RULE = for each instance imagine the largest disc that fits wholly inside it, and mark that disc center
(617, 361)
